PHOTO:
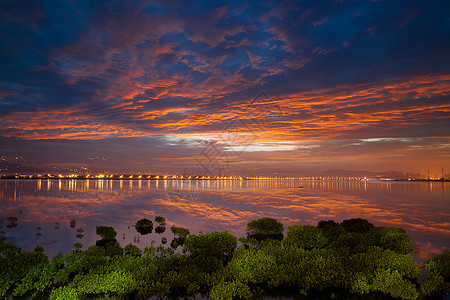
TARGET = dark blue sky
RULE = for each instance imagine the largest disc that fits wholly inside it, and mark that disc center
(349, 84)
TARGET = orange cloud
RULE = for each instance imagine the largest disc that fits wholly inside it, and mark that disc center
(322, 114)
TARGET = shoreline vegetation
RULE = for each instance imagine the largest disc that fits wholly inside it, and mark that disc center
(352, 259)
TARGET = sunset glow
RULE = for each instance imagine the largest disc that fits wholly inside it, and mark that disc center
(278, 89)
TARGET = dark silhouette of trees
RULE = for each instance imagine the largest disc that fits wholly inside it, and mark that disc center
(106, 232)
(357, 225)
(144, 226)
(180, 234)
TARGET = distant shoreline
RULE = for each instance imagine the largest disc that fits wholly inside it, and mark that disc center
(178, 177)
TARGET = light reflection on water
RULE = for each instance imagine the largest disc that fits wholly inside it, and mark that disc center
(422, 208)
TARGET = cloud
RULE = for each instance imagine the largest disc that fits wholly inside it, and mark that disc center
(91, 71)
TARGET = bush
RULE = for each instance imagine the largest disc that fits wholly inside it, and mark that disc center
(386, 281)
(37, 280)
(160, 220)
(22, 273)
(265, 228)
(253, 267)
(101, 283)
(65, 293)
(230, 290)
(112, 247)
(177, 241)
(8, 249)
(305, 236)
(394, 239)
(144, 226)
(357, 225)
(437, 278)
(106, 232)
(77, 247)
(39, 248)
(218, 244)
(385, 271)
(331, 229)
(180, 231)
(160, 229)
(132, 249)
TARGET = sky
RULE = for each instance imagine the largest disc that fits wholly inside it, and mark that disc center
(226, 87)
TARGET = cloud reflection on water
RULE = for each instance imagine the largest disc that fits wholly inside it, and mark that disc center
(205, 206)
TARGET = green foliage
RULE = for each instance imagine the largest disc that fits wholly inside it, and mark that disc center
(386, 271)
(230, 290)
(375, 258)
(39, 248)
(75, 263)
(116, 276)
(132, 249)
(19, 273)
(218, 244)
(394, 239)
(331, 229)
(437, 278)
(144, 226)
(249, 242)
(180, 236)
(72, 265)
(271, 247)
(177, 241)
(386, 281)
(253, 267)
(158, 252)
(106, 232)
(391, 282)
(386, 238)
(112, 247)
(65, 293)
(8, 249)
(360, 259)
(160, 229)
(38, 279)
(160, 220)
(265, 228)
(305, 236)
(180, 231)
(164, 240)
(77, 247)
(109, 282)
(309, 269)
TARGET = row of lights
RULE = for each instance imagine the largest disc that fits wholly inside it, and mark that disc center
(103, 176)
(124, 176)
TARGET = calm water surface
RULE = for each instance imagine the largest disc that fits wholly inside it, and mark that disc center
(422, 208)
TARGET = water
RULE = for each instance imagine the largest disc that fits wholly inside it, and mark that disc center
(421, 208)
